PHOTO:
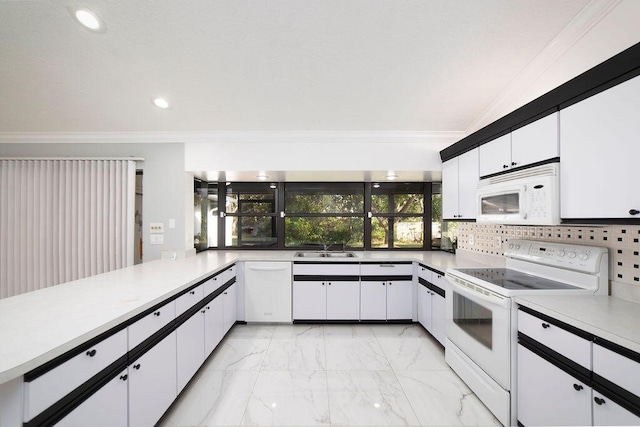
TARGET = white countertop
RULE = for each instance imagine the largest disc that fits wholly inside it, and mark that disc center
(38, 326)
(611, 318)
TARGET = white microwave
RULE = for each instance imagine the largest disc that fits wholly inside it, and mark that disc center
(526, 197)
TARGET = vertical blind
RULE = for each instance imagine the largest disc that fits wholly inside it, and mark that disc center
(62, 220)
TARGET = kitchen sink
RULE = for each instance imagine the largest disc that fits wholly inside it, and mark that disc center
(323, 254)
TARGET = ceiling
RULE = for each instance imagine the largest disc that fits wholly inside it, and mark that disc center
(266, 65)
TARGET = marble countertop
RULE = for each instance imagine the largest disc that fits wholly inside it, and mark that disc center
(611, 318)
(38, 326)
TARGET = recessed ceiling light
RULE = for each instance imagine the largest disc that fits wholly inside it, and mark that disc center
(161, 103)
(88, 19)
(391, 176)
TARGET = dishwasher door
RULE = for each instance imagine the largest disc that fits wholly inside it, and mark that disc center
(268, 292)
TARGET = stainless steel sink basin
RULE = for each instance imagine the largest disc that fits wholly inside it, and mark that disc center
(322, 254)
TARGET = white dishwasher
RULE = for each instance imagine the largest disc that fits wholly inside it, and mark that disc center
(267, 291)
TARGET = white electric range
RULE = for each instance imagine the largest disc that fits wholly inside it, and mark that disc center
(481, 318)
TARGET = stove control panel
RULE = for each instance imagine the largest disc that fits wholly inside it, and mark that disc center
(587, 259)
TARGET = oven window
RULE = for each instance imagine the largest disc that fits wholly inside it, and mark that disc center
(474, 319)
(502, 204)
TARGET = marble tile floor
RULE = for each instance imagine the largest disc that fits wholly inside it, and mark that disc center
(327, 375)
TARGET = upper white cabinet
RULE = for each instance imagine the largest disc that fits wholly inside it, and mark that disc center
(460, 178)
(529, 144)
(599, 151)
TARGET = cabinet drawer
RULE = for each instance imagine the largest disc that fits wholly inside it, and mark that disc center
(560, 340)
(212, 284)
(229, 274)
(386, 269)
(151, 323)
(326, 269)
(440, 281)
(425, 273)
(50, 387)
(185, 301)
(617, 368)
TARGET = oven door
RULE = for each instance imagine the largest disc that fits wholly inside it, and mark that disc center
(502, 204)
(478, 322)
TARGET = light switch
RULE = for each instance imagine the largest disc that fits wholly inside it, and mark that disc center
(172, 223)
(156, 227)
(157, 239)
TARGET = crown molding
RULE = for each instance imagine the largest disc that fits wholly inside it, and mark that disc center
(580, 25)
(232, 137)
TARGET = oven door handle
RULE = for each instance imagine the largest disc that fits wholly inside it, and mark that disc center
(504, 302)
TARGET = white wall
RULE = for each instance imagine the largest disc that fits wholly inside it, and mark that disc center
(164, 185)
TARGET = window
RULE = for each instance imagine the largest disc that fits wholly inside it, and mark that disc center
(320, 214)
(250, 215)
(397, 215)
(200, 215)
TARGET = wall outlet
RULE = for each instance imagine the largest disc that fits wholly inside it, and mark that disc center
(471, 240)
(498, 242)
(156, 227)
(157, 239)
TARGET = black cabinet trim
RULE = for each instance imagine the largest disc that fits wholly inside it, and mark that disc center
(386, 262)
(531, 165)
(616, 348)
(332, 262)
(432, 287)
(431, 269)
(558, 323)
(619, 395)
(321, 278)
(385, 278)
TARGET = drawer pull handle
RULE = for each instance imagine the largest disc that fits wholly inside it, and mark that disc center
(545, 325)
(91, 353)
(329, 283)
(578, 387)
(384, 284)
(192, 292)
(634, 212)
(124, 377)
(136, 367)
(208, 308)
(599, 401)
(225, 293)
(157, 313)
(202, 311)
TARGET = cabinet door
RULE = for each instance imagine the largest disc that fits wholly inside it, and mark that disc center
(424, 307)
(229, 307)
(151, 323)
(450, 189)
(152, 383)
(468, 178)
(495, 156)
(213, 325)
(608, 413)
(535, 142)
(310, 300)
(343, 300)
(549, 396)
(400, 300)
(599, 150)
(190, 353)
(437, 317)
(105, 408)
(373, 300)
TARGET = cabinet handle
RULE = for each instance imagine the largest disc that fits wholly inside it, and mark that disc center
(136, 367)
(577, 387)
(91, 353)
(329, 283)
(505, 166)
(192, 292)
(202, 311)
(322, 283)
(390, 283)
(124, 377)
(599, 401)
(157, 313)
(634, 212)
(513, 163)
(225, 293)
(208, 308)
(545, 325)
(384, 284)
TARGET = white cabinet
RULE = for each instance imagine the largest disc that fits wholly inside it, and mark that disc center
(343, 300)
(267, 291)
(229, 307)
(460, 178)
(373, 300)
(190, 348)
(151, 323)
(535, 142)
(547, 395)
(424, 307)
(152, 383)
(606, 412)
(431, 304)
(599, 153)
(105, 408)
(187, 300)
(399, 300)
(213, 325)
(310, 300)
(438, 317)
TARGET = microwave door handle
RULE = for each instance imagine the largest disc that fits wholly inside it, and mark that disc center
(491, 299)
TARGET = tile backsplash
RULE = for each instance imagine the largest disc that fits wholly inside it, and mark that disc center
(622, 241)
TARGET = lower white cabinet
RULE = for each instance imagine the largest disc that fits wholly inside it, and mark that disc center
(424, 307)
(229, 307)
(105, 408)
(547, 395)
(399, 300)
(606, 412)
(386, 300)
(213, 325)
(343, 300)
(431, 312)
(152, 383)
(190, 348)
(326, 300)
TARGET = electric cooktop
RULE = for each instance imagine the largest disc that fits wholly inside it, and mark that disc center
(513, 279)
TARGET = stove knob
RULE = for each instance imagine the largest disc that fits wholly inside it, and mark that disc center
(584, 256)
(561, 253)
(571, 255)
(517, 247)
(510, 245)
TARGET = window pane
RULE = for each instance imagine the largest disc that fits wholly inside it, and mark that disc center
(324, 198)
(250, 198)
(397, 203)
(212, 216)
(408, 232)
(379, 232)
(253, 231)
(200, 212)
(316, 231)
(436, 215)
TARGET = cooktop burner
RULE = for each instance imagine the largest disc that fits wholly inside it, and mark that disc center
(512, 279)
